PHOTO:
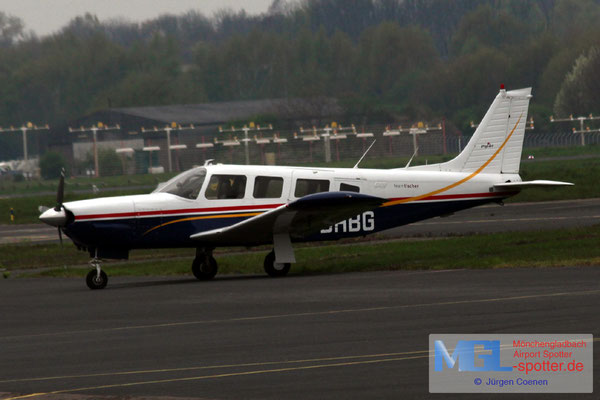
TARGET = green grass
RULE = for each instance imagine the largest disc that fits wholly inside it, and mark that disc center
(382, 162)
(400, 162)
(501, 250)
(30, 256)
(588, 150)
(584, 173)
(82, 183)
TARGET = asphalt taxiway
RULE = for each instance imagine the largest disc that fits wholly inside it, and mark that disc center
(351, 336)
(508, 218)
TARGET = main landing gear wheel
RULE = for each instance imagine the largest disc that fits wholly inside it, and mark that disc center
(96, 279)
(275, 269)
(204, 267)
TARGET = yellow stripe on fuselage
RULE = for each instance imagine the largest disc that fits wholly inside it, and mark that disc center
(455, 184)
(203, 217)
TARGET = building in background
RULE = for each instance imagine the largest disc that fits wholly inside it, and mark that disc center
(143, 128)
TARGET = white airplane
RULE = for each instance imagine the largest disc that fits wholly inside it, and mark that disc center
(239, 205)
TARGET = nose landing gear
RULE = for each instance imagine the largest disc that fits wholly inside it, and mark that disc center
(96, 278)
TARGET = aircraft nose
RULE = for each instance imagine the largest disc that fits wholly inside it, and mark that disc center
(54, 218)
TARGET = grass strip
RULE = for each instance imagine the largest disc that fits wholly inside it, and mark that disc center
(499, 250)
(584, 173)
(8, 187)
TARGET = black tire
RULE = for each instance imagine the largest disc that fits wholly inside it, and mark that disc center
(95, 282)
(204, 268)
(273, 269)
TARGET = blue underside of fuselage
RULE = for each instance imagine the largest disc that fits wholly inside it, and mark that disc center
(175, 231)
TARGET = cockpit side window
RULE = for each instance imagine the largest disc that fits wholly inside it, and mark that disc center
(226, 187)
(186, 185)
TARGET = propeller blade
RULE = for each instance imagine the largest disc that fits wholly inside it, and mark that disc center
(60, 194)
(60, 236)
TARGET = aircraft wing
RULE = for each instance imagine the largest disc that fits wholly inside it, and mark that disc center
(301, 217)
(536, 183)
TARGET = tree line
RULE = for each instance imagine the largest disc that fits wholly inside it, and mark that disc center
(385, 60)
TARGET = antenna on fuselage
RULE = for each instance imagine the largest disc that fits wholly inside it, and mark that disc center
(209, 161)
(413, 156)
(363, 156)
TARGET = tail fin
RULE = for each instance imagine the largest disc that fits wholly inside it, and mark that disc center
(496, 145)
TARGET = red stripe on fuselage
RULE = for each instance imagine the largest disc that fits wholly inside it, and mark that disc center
(180, 211)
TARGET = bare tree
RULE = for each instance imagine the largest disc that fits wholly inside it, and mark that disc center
(11, 29)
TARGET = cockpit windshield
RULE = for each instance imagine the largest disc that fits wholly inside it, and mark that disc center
(186, 185)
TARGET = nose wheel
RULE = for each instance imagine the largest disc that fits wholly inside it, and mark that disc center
(96, 278)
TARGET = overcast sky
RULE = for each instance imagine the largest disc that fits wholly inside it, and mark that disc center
(48, 16)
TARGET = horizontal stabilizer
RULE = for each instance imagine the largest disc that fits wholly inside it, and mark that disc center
(304, 216)
(536, 183)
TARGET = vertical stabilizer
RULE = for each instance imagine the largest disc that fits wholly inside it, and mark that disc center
(496, 145)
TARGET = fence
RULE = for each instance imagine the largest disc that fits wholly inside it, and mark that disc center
(148, 153)
(560, 139)
(287, 148)
(280, 148)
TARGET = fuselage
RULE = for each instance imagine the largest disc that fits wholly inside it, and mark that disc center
(215, 196)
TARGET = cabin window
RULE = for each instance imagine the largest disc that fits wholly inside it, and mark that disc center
(186, 185)
(268, 187)
(345, 187)
(305, 187)
(226, 187)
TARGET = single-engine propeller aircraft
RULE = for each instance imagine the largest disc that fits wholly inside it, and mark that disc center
(239, 205)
